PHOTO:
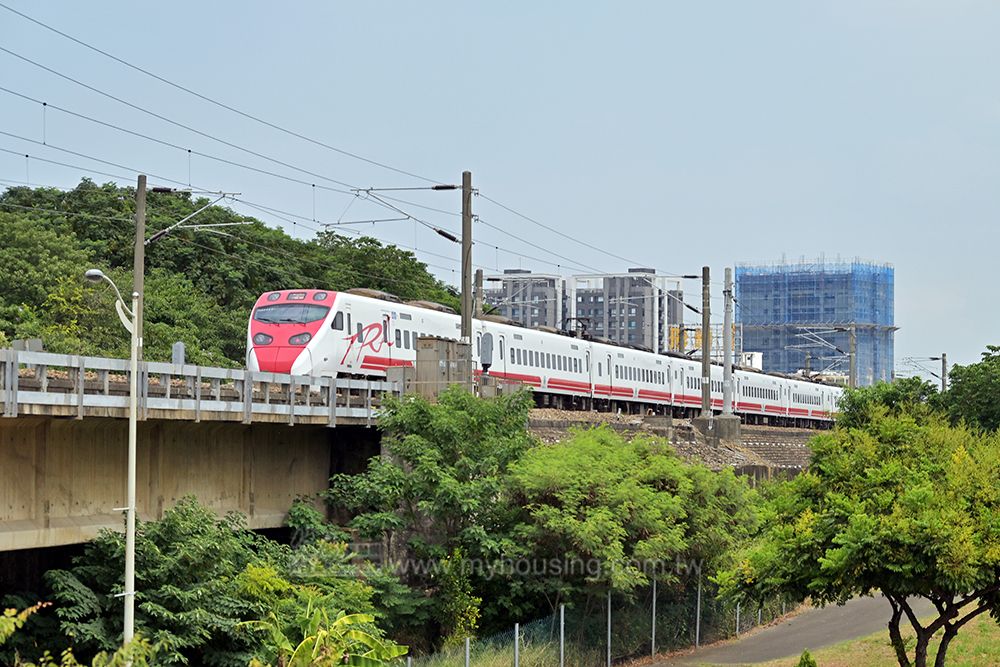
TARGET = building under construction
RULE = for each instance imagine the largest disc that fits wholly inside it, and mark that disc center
(812, 315)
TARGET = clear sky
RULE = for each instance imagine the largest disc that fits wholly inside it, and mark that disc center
(672, 134)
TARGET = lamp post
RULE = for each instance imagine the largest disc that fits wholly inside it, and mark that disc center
(130, 320)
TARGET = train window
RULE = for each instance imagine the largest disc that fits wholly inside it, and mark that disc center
(616, 371)
(319, 296)
(406, 340)
(538, 359)
(399, 338)
(297, 313)
(338, 321)
(349, 327)
(479, 345)
(600, 372)
(361, 333)
(501, 348)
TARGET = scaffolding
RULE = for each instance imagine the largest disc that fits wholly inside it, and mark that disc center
(782, 308)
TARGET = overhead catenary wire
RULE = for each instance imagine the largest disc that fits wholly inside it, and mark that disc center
(255, 154)
(215, 102)
(380, 200)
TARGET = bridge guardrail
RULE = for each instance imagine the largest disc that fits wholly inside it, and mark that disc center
(77, 386)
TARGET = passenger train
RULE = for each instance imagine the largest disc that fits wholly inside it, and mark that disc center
(319, 332)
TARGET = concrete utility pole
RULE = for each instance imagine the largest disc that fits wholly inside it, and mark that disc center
(852, 378)
(477, 306)
(944, 372)
(467, 305)
(727, 344)
(138, 271)
(706, 343)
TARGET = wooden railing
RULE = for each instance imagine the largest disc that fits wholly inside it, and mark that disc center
(42, 383)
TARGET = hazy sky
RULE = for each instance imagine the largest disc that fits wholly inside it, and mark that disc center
(671, 134)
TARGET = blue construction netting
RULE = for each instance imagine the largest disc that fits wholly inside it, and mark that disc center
(775, 303)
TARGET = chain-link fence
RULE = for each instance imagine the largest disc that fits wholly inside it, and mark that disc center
(606, 629)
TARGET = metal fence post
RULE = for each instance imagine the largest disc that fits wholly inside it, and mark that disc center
(697, 616)
(759, 611)
(652, 638)
(782, 607)
(737, 619)
(409, 661)
(609, 627)
(467, 652)
(562, 635)
(517, 645)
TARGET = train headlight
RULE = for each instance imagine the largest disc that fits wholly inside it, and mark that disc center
(262, 339)
(300, 339)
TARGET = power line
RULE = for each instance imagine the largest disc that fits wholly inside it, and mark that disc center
(378, 199)
(381, 200)
(169, 120)
(176, 182)
(535, 245)
(569, 236)
(216, 102)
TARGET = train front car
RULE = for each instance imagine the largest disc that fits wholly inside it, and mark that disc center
(286, 330)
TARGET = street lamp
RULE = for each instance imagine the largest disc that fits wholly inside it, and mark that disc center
(129, 318)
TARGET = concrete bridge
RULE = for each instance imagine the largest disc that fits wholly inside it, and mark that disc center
(237, 440)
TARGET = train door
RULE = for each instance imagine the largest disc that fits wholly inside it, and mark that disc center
(590, 375)
(502, 357)
(611, 378)
(387, 334)
(345, 337)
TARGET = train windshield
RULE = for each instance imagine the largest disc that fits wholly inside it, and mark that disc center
(290, 313)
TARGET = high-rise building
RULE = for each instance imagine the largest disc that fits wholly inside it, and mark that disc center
(805, 315)
(633, 308)
(531, 299)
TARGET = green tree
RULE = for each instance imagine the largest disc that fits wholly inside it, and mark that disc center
(912, 395)
(440, 488)
(198, 578)
(633, 508)
(903, 505)
(974, 394)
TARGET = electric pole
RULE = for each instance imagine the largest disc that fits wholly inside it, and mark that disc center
(727, 344)
(706, 344)
(467, 305)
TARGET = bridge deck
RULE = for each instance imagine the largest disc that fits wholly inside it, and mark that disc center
(59, 385)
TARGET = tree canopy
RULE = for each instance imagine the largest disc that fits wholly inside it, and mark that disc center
(199, 286)
(474, 508)
(902, 504)
(974, 394)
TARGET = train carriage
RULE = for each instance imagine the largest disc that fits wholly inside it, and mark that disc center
(321, 332)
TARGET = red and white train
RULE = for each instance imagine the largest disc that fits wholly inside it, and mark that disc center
(317, 332)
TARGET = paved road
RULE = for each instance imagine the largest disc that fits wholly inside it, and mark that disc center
(811, 629)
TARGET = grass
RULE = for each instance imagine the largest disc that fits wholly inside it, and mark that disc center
(976, 645)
